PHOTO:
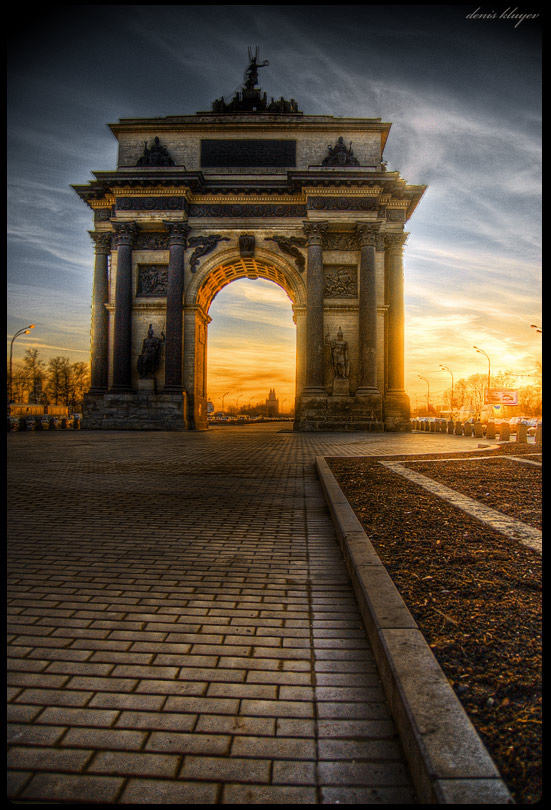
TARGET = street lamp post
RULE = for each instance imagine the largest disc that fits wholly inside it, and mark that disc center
(481, 351)
(451, 398)
(428, 392)
(223, 396)
(24, 331)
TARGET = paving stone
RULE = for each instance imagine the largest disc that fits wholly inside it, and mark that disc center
(226, 769)
(191, 650)
(272, 794)
(131, 764)
(68, 788)
(47, 759)
(156, 791)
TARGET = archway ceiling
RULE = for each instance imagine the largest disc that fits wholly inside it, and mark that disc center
(240, 268)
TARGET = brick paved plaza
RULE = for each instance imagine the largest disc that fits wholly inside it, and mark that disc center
(182, 627)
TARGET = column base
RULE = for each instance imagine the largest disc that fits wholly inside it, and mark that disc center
(368, 391)
(396, 407)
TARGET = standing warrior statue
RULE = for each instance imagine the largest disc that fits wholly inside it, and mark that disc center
(339, 356)
(252, 71)
(148, 360)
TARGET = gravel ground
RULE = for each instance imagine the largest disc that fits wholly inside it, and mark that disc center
(475, 593)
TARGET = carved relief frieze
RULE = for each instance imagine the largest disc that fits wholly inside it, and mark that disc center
(246, 210)
(396, 215)
(341, 241)
(203, 245)
(152, 280)
(152, 241)
(151, 204)
(290, 245)
(103, 214)
(341, 281)
(343, 203)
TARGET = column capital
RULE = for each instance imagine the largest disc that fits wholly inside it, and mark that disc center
(125, 233)
(102, 240)
(178, 232)
(368, 233)
(314, 232)
(395, 241)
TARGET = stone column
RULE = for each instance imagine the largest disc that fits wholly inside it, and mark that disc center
(367, 344)
(100, 315)
(125, 234)
(190, 313)
(314, 386)
(396, 401)
(174, 307)
(394, 244)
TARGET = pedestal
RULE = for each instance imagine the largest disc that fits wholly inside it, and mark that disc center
(341, 387)
(339, 412)
(144, 410)
(147, 385)
(396, 409)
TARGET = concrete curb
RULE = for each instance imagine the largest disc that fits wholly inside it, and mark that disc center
(448, 761)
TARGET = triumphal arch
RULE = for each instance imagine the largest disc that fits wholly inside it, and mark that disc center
(253, 188)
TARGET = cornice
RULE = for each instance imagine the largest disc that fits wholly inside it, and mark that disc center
(389, 187)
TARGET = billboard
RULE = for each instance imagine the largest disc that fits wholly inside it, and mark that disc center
(495, 396)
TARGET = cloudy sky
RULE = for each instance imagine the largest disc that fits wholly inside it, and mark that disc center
(462, 92)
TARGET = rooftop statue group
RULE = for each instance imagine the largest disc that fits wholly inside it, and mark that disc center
(249, 99)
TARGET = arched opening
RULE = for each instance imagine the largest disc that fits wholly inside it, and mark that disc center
(251, 351)
(253, 345)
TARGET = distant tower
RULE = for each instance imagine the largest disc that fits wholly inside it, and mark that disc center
(272, 404)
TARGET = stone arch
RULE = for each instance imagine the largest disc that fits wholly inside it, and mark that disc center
(213, 275)
(227, 266)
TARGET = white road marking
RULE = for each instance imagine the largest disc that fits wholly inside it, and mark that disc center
(526, 534)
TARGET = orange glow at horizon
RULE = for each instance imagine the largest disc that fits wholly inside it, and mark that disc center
(251, 346)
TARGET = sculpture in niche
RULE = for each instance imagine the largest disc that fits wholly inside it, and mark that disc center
(156, 156)
(340, 282)
(339, 356)
(203, 245)
(290, 246)
(339, 155)
(148, 360)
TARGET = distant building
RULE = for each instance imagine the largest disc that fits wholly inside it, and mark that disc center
(272, 404)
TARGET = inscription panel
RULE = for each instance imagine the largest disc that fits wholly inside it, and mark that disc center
(248, 153)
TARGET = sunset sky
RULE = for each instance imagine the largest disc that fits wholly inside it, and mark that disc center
(462, 93)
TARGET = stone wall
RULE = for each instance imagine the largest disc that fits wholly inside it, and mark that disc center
(185, 147)
(139, 411)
